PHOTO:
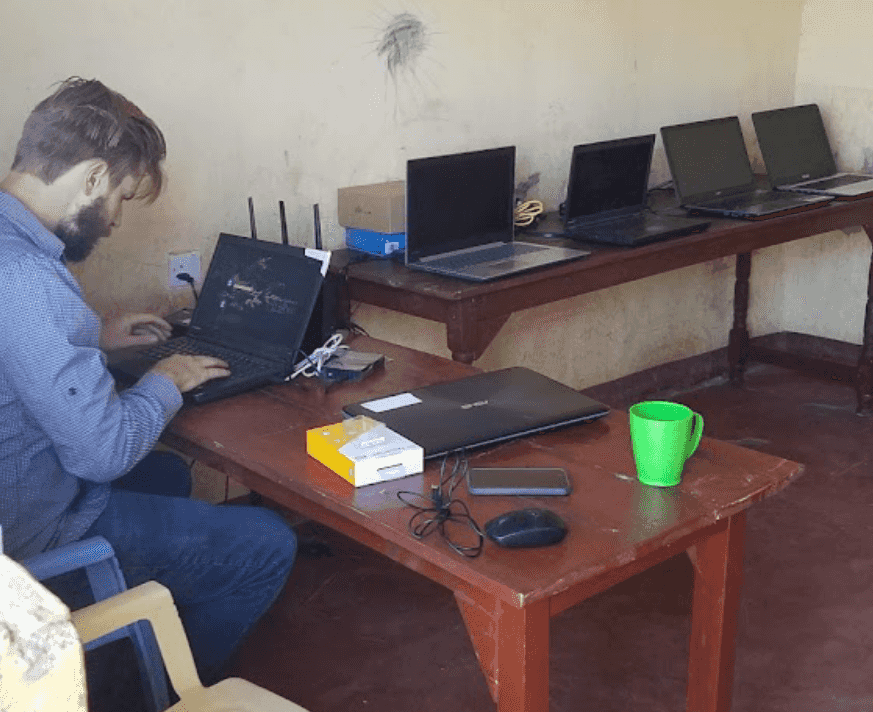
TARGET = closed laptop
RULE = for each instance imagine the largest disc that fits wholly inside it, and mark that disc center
(480, 410)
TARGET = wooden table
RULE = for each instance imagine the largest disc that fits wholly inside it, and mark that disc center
(474, 313)
(617, 526)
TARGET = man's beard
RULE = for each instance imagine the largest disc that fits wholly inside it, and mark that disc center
(81, 232)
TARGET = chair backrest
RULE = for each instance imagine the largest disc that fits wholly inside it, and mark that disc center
(41, 661)
(152, 602)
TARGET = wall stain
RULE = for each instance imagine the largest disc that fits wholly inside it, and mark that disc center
(403, 41)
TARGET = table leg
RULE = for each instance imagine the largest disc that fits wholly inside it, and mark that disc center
(467, 335)
(718, 577)
(738, 341)
(512, 645)
(864, 371)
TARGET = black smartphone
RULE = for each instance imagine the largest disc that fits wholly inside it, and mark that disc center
(536, 481)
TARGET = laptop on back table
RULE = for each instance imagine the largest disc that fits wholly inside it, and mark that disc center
(607, 197)
(480, 410)
(798, 155)
(253, 310)
(712, 173)
(460, 218)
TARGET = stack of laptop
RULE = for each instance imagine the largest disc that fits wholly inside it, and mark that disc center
(712, 173)
(460, 218)
(607, 197)
(253, 311)
(798, 155)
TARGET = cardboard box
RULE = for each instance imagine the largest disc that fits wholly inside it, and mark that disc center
(375, 243)
(363, 451)
(380, 207)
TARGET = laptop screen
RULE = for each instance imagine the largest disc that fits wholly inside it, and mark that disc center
(794, 144)
(708, 159)
(609, 177)
(458, 201)
(257, 296)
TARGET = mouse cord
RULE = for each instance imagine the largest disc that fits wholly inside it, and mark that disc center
(441, 509)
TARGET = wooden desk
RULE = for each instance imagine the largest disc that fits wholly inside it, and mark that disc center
(474, 313)
(617, 526)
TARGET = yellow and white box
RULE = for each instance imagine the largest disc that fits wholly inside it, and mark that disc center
(364, 451)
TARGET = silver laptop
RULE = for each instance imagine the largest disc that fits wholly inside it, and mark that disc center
(712, 173)
(480, 410)
(460, 218)
(798, 155)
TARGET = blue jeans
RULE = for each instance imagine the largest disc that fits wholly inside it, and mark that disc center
(225, 565)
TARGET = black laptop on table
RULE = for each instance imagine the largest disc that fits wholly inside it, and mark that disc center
(607, 197)
(712, 173)
(253, 310)
(460, 219)
(798, 155)
(480, 410)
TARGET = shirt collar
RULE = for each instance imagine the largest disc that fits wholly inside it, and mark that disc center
(17, 213)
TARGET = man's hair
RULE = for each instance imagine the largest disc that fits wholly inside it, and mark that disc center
(82, 120)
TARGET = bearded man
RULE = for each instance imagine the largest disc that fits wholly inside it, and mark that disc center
(76, 455)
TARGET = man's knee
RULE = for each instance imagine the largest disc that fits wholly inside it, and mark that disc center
(272, 537)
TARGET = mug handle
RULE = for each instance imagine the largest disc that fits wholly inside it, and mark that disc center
(696, 434)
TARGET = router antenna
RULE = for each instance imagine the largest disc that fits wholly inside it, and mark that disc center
(252, 219)
(282, 222)
(317, 220)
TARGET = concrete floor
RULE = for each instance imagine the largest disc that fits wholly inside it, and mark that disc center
(356, 632)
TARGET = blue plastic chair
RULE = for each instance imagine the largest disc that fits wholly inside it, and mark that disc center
(97, 557)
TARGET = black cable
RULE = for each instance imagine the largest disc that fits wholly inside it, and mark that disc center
(442, 509)
(185, 277)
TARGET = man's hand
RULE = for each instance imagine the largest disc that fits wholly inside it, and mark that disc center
(188, 371)
(133, 330)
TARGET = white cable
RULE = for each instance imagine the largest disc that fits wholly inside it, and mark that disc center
(312, 364)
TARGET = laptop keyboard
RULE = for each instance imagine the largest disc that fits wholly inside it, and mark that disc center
(504, 251)
(826, 183)
(239, 362)
(750, 200)
(625, 223)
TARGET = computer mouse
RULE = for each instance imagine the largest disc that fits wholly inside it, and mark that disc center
(526, 528)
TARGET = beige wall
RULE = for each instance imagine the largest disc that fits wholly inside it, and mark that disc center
(288, 101)
(825, 288)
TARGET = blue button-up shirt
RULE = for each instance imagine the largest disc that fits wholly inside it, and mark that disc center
(65, 432)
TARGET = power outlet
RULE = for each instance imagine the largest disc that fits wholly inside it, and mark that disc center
(180, 262)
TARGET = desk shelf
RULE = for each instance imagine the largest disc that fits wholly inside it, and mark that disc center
(475, 312)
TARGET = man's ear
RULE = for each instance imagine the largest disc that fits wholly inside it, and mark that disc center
(96, 177)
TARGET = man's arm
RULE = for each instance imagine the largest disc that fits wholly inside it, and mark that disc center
(133, 330)
(48, 350)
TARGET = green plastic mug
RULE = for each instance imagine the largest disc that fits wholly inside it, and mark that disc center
(663, 436)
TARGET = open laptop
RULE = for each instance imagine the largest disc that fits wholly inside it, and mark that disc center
(253, 310)
(798, 155)
(713, 176)
(607, 197)
(480, 410)
(460, 218)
